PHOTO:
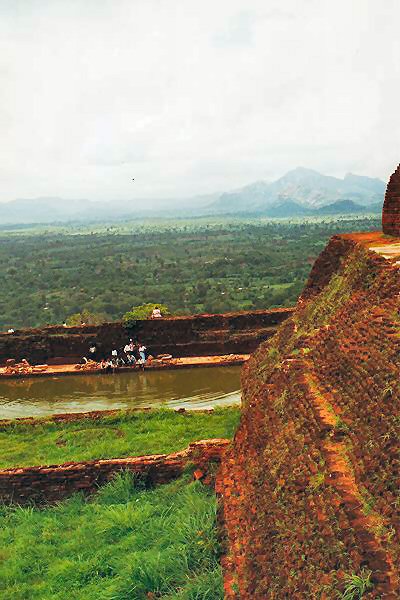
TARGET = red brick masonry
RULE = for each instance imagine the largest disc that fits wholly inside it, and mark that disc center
(55, 482)
(391, 206)
(310, 485)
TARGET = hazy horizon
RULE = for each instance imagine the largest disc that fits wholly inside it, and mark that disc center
(193, 99)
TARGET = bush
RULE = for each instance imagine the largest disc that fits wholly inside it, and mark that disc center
(86, 317)
(142, 312)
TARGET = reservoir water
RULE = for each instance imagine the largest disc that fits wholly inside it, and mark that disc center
(188, 388)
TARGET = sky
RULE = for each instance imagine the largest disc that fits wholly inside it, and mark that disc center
(193, 97)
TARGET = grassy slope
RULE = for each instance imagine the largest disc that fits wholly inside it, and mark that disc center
(125, 543)
(128, 434)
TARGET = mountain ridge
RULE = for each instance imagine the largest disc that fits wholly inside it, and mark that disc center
(298, 192)
(306, 187)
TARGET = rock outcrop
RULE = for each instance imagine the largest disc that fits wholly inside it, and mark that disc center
(391, 206)
(310, 488)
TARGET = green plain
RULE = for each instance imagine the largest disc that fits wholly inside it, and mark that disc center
(126, 434)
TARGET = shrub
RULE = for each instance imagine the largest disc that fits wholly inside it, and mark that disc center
(86, 317)
(142, 312)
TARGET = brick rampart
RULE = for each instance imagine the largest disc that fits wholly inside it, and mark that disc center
(55, 482)
(198, 335)
(391, 206)
(310, 488)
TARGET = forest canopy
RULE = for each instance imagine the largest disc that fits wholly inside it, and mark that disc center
(201, 265)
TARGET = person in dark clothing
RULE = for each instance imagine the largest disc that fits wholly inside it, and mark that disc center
(135, 351)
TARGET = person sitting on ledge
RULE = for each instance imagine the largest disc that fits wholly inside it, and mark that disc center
(106, 365)
(156, 314)
(116, 359)
(129, 353)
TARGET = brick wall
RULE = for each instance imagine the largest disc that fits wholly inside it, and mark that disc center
(198, 335)
(55, 482)
(391, 206)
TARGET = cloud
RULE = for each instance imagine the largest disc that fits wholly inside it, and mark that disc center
(192, 98)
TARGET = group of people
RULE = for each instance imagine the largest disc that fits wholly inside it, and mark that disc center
(133, 354)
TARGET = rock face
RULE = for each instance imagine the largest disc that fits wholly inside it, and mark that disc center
(391, 206)
(310, 486)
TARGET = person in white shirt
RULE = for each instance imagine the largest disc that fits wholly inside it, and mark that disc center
(142, 353)
(156, 314)
(114, 357)
(128, 349)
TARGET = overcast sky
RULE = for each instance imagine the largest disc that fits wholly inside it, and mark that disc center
(192, 97)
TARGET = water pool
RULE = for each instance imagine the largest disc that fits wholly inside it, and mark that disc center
(190, 388)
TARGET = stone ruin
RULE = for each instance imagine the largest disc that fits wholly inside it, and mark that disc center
(391, 206)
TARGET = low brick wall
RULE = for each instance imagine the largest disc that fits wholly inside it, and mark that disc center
(198, 335)
(53, 483)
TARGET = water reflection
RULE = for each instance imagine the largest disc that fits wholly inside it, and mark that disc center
(191, 388)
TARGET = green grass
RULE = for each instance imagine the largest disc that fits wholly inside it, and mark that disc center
(125, 543)
(127, 434)
(356, 586)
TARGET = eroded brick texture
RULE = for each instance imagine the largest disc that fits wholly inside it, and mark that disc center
(391, 206)
(310, 489)
(55, 482)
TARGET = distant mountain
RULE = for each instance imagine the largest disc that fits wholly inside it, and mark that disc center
(44, 210)
(303, 187)
(288, 208)
(55, 209)
(376, 207)
(300, 192)
(342, 207)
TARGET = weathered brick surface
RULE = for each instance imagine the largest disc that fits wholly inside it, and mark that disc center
(199, 335)
(391, 206)
(310, 489)
(55, 482)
